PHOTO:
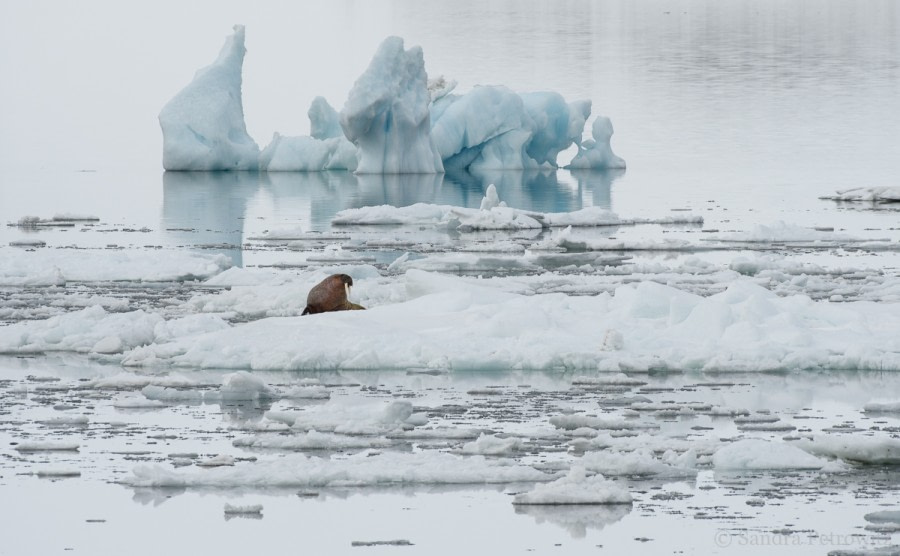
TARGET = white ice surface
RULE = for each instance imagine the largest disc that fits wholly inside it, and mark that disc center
(638, 462)
(363, 469)
(755, 454)
(854, 448)
(203, 125)
(447, 322)
(494, 218)
(57, 266)
(576, 488)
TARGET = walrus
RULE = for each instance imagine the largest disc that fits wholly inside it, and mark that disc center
(331, 295)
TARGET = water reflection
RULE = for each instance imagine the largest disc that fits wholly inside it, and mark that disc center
(212, 209)
(577, 519)
(207, 208)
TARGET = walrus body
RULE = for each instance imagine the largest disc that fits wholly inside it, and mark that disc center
(330, 295)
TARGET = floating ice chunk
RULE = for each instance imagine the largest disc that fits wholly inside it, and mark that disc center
(364, 418)
(307, 154)
(221, 460)
(576, 488)
(755, 454)
(491, 445)
(245, 386)
(781, 231)
(75, 217)
(395, 542)
(58, 473)
(882, 407)
(610, 379)
(386, 114)
(860, 449)
(79, 331)
(109, 344)
(871, 194)
(124, 381)
(638, 462)
(596, 153)
(491, 199)
(572, 422)
(47, 447)
(251, 509)
(137, 402)
(67, 421)
(55, 267)
(362, 469)
(312, 440)
(203, 125)
(324, 122)
(884, 516)
(171, 395)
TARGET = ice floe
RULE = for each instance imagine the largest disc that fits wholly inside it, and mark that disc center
(575, 488)
(870, 194)
(855, 448)
(59, 266)
(362, 469)
(754, 454)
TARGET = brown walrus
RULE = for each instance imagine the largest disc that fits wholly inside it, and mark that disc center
(330, 295)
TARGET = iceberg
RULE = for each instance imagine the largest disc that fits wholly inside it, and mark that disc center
(203, 125)
(325, 149)
(556, 124)
(324, 122)
(596, 153)
(395, 121)
(485, 128)
(307, 154)
(386, 114)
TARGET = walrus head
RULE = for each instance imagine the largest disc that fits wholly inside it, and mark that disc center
(348, 282)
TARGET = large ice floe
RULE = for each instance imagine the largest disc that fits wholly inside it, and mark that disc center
(441, 322)
(395, 121)
(203, 125)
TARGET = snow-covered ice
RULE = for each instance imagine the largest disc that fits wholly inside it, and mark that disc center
(753, 454)
(358, 470)
(576, 488)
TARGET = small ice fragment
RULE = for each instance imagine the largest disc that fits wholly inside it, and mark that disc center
(218, 461)
(252, 509)
(47, 447)
(397, 542)
(58, 473)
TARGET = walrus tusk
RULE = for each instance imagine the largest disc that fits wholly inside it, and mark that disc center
(347, 291)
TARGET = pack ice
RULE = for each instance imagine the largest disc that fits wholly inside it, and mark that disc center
(395, 121)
